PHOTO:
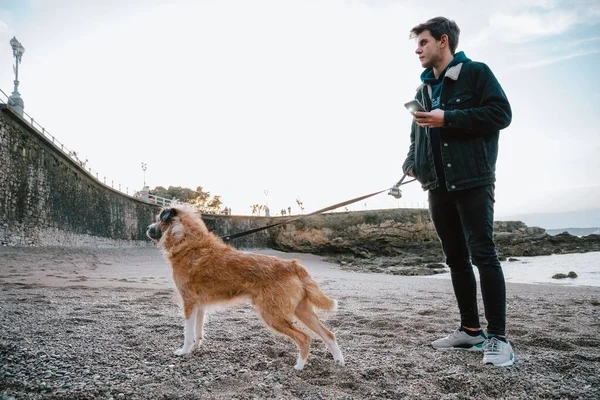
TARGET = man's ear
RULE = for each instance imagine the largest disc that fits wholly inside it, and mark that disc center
(444, 41)
(167, 214)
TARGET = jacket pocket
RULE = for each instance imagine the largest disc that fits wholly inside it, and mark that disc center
(459, 101)
(468, 160)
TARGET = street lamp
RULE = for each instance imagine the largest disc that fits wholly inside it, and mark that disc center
(15, 100)
(144, 167)
(267, 212)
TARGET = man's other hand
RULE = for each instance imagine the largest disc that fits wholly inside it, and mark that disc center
(432, 119)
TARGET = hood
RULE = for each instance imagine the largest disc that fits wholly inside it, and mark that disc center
(428, 78)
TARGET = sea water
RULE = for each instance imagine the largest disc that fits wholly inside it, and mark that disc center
(541, 269)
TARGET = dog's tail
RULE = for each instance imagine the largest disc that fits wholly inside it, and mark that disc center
(313, 292)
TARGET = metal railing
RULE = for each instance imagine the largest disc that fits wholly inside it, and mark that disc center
(69, 153)
(159, 201)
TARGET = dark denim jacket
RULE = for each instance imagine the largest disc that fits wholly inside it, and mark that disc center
(475, 110)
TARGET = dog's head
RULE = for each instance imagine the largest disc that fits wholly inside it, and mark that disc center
(163, 220)
(175, 222)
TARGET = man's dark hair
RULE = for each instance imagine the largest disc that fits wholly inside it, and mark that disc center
(439, 26)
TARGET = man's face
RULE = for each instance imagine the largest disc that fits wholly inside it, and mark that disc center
(428, 49)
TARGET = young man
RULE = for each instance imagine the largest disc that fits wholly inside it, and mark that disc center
(453, 152)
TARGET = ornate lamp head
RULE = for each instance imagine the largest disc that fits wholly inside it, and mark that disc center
(15, 100)
(17, 47)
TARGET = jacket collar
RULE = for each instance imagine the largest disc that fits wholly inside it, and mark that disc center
(452, 73)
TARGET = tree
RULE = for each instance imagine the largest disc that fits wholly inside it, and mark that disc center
(200, 198)
(160, 191)
(258, 209)
(213, 206)
(301, 205)
(182, 194)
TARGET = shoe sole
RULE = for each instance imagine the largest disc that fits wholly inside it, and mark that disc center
(474, 349)
(504, 364)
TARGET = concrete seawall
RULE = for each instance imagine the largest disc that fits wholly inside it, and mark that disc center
(48, 199)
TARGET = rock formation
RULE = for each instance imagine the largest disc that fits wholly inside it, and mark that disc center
(404, 241)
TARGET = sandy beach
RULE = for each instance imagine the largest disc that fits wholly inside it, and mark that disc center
(85, 323)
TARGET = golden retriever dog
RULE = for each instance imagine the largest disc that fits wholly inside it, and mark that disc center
(209, 272)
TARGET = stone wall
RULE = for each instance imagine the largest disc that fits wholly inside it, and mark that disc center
(223, 225)
(48, 199)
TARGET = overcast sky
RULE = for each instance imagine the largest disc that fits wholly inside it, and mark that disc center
(273, 101)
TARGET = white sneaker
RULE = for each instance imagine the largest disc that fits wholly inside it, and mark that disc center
(498, 353)
(459, 339)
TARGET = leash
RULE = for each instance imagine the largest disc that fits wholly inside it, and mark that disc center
(393, 191)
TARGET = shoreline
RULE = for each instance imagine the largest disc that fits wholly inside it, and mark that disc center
(539, 270)
(91, 323)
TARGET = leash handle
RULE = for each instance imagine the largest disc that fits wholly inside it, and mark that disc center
(395, 190)
(402, 180)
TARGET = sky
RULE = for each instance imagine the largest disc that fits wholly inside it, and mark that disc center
(266, 102)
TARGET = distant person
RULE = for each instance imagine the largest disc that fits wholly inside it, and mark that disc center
(453, 152)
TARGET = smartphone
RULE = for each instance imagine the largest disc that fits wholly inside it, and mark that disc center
(414, 106)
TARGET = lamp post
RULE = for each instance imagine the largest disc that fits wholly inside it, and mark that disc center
(15, 100)
(144, 167)
(267, 211)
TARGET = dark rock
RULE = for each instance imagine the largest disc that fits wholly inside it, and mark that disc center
(571, 274)
(382, 240)
(435, 265)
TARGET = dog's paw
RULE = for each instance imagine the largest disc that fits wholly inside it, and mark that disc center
(182, 351)
(338, 357)
(299, 364)
(335, 305)
(196, 345)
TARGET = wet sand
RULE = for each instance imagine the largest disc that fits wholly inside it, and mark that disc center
(102, 323)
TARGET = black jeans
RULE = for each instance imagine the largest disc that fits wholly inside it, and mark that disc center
(464, 221)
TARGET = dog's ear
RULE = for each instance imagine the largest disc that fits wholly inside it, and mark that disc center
(167, 214)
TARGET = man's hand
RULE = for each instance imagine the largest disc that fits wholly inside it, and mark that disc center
(411, 173)
(432, 119)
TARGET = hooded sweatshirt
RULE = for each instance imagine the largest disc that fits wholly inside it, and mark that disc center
(428, 78)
